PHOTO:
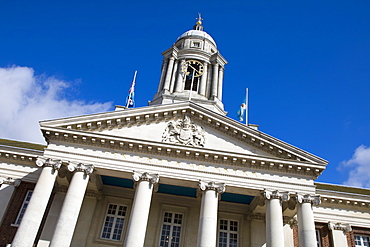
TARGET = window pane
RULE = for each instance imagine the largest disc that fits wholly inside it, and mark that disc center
(171, 230)
(114, 222)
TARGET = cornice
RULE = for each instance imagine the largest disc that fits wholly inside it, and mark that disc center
(201, 115)
(343, 199)
(104, 141)
(19, 154)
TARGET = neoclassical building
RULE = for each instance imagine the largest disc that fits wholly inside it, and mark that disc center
(178, 172)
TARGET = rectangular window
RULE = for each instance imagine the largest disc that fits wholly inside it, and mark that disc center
(23, 208)
(196, 44)
(318, 238)
(228, 233)
(361, 240)
(171, 229)
(114, 222)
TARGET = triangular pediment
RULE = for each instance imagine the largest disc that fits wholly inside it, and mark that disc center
(164, 124)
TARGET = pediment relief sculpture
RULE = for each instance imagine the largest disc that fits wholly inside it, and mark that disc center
(184, 131)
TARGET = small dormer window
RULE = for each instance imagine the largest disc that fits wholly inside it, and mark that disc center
(196, 44)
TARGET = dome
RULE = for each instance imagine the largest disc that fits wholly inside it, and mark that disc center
(198, 34)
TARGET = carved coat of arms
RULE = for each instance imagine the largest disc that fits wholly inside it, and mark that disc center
(184, 131)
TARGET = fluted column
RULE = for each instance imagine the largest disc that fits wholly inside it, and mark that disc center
(72, 204)
(214, 80)
(136, 229)
(220, 79)
(203, 82)
(7, 187)
(306, 223)
(31, 220)
(207, 232)
(274, 218)
(167, 79)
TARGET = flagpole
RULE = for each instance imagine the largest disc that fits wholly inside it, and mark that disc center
(132, 85)
(246, 106)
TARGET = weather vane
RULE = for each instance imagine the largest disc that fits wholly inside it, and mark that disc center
(199, 22)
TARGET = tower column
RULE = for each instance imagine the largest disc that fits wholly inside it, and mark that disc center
(203, 82)
(136, 229)
(306, 223)
(207, 232)
(164, 67)
(66, 224)
(274, 218)
(167, 79)
(220, 79)
(214, 80)
(180, 77)
(7, 187)
(31, 220)
(173, 77)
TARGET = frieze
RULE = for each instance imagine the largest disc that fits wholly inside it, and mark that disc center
(185, 132)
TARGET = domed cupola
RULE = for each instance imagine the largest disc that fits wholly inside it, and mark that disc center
(192, 69)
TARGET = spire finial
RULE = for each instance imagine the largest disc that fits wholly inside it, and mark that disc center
(198, 25)
(199, 22)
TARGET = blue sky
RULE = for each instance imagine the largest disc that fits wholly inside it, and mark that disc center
(306, 64)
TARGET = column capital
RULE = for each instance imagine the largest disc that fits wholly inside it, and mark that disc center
(47, 162)
(313, 199)
(256, 216)
(10, 181)
(152, 178)
(79, 167)
(339, 226)
(218, 187)
(283, 196)
(290, 220)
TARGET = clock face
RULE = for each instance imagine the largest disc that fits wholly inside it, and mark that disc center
(193, 68)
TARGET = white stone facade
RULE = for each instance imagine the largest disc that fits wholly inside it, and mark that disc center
(178, 173)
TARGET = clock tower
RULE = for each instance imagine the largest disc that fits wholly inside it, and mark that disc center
(192, 69)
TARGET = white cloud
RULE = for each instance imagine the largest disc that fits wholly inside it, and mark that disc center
(359, 164)
(25, 99)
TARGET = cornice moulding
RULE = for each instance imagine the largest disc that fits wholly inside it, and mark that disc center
(185, 152)
(145, 115)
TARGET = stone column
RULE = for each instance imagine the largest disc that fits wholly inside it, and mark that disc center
(179, 87)
(274, 218)
(66, 224)
(207, 232)
(7, 188)
(214, 80)
(167, 79)
(306, 223)
(136, 229)
(203, 82)
(338, 234)
(31, 220)
(164, 67)
(220, 79)
(173, 77)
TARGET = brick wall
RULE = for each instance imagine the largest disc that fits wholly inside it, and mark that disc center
(356, 231)
(324, 234)
(7, 232)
